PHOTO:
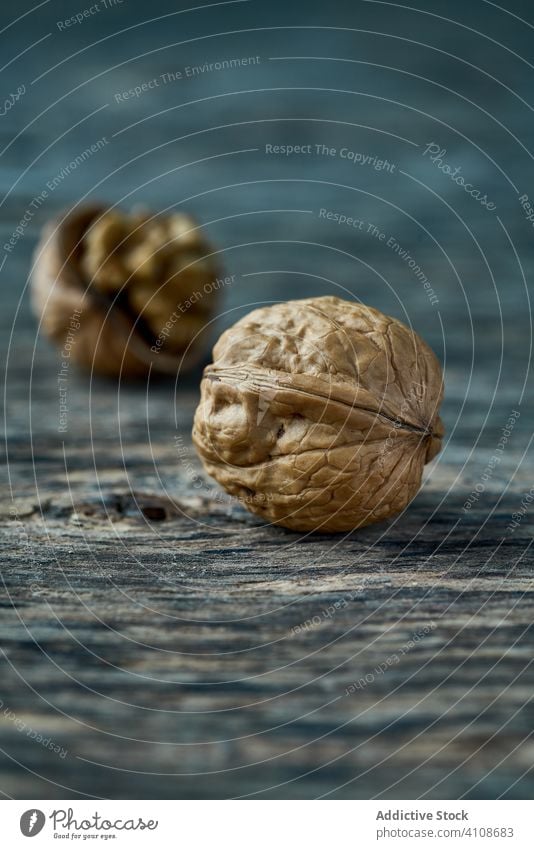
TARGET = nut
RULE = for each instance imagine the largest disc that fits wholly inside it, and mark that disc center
(141, 288)
(320, 414)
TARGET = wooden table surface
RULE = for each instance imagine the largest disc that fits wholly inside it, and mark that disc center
(157, 641)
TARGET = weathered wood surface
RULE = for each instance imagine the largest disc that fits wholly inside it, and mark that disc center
(163, 640)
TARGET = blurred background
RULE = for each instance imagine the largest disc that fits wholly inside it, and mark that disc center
(372, 79)
(196, 109)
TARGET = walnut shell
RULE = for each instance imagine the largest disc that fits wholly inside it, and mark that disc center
(320, 414)
(128, 292)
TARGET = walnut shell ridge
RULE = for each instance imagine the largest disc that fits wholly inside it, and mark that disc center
(320, 414)
(116, 328)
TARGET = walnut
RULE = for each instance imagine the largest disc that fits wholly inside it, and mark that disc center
(142, 290)
(320, 414)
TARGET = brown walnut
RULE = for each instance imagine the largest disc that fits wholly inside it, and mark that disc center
(320, 414)
(130, 292)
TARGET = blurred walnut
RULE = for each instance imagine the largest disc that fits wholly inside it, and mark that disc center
(145, 288)
(320, 414)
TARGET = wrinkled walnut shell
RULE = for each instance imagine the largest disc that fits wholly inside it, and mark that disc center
(111, 335)
(320, 414)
